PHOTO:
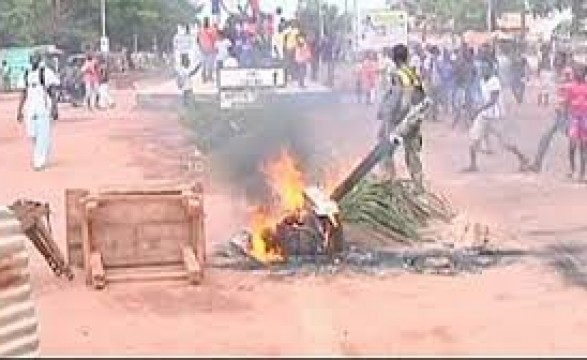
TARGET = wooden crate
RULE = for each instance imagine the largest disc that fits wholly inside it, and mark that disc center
(136, 234)
(19, 333)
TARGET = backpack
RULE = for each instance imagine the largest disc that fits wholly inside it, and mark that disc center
(54, 108)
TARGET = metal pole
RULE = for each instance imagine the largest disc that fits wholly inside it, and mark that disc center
(489, 14)
(103, 11)
(356, 24)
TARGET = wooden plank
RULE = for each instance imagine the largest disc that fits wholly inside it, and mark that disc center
(97, 269)
(140, 211)
(86, 240)
(157, 187)
(139, 196)
(73, 220)
(200, 238)
(192, 265)
(145, 277)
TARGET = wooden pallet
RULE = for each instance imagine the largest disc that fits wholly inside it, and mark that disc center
(130, 234)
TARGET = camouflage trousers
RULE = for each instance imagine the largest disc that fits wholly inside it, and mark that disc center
(412, 144)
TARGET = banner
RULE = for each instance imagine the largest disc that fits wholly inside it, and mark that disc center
(379, 28)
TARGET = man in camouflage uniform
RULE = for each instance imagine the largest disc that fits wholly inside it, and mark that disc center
(406, 90)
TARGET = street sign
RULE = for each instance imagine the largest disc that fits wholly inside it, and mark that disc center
(230, 99)
(260, 78)
(104, 44)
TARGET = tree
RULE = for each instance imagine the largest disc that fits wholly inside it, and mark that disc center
(315, 13)
(74, 23)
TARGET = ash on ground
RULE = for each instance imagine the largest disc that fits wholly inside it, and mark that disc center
(437, 259)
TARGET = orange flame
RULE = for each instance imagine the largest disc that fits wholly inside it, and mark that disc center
(262, 228)
(286, 181)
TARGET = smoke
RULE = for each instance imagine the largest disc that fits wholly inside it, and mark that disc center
(265, 131)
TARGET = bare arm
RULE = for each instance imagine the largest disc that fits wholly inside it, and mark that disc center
(492, 102)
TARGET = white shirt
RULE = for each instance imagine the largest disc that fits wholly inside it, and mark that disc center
(38, 101)
(231, 62)
(487, 88)
(222, 47)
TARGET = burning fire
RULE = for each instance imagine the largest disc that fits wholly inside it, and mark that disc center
(286, 181)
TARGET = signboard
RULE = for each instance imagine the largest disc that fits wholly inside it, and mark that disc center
(260, 78)
(17, 62)
(104, 44)
(236, 98)
(379, 28)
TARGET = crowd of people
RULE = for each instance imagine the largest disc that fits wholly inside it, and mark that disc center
(264, 40)
(469, 87)
(89, 82)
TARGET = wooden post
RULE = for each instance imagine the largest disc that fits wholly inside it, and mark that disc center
(192, 265)
(86, 240)
(97, 269)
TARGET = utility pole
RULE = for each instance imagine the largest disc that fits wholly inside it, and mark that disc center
(104, 42)
(525, 8)
(489, 15)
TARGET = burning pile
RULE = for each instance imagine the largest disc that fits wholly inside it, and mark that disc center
(289, 224)
(302, 220)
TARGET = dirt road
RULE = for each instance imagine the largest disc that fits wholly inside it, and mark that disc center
(527, 308)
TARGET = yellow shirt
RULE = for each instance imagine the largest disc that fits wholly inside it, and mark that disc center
(291, 38)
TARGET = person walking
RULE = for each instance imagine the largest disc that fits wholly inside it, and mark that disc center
(104, 97)
(38, 108)
(223, 46)
(576, 103)
(207, 40)
(91, 81)
(302, 58)
(488, 120)
(405, 92)
(327, 54)
(561, 120)
(184, 75)
(368, 74)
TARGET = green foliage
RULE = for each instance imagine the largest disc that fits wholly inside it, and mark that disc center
(74, 23)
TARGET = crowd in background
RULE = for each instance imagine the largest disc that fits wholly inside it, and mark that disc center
(457, 80)
(265, 40)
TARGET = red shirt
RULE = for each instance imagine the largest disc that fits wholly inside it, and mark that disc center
(208, 39)
(369, 73)
(576, 98)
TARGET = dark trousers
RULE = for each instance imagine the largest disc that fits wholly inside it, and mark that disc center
(315, 67)
(301, 73)
(330, 73)
(560, 124)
